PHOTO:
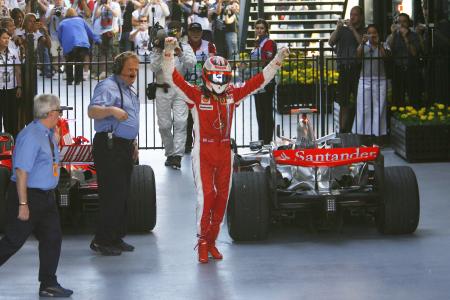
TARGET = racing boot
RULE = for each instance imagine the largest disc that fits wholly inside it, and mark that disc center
(202, 250)
(211, 237)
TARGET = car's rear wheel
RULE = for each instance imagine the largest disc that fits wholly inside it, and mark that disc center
(142, 203)
(4, 182)
(248, 214)
(399, 210)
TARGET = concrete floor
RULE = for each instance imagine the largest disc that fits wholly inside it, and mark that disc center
(358, 263)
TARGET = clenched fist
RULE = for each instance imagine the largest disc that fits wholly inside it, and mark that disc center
(170, 44)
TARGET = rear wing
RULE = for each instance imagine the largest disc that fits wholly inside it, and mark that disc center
(76, 154)
(331, 157)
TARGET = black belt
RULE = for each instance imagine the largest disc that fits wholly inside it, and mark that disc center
(41, 191)
(115, 137)
(164, 86)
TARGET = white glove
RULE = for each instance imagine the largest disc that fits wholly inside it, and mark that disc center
(170, 44)
(283, 53)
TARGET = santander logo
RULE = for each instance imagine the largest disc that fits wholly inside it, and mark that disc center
(325, 157)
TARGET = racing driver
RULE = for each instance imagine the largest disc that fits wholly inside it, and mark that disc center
(212, 107)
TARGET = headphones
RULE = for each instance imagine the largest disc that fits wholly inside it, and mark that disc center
(119, 61)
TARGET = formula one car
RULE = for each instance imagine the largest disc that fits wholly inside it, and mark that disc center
(324, 179)
(77, 190)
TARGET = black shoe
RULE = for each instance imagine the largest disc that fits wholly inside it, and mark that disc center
(105, 250)
(176, 162)
(169, 161)
(123, 246)
(55, 291)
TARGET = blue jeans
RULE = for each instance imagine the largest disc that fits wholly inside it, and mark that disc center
(44, 57)
(232, 46)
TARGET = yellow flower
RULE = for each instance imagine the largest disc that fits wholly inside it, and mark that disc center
(401, 109)
(430, 118)
(409, 108)
(431, 113)
(404, 116)
(413, 112)
(448, 108)
(394, 108)
(441, 106)
(423, 118)
(439, 113)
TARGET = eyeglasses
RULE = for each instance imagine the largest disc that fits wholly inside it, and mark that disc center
(59, 110)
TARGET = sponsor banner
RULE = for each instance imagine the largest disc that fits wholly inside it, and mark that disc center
(325, 157)
(76, 154)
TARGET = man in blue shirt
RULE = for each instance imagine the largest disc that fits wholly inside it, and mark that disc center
(115, 110)
(31, 197)
(74, 35)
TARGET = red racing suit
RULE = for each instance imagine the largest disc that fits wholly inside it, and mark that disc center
(212, 157)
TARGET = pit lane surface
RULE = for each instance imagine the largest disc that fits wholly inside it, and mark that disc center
(293, 263)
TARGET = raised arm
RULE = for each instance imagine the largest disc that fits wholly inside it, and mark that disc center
(190, 93)
(260, 80)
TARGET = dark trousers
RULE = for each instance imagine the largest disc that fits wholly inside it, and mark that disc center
(346, 89)
(76, 55)
(189, 136)
(125, 44)
(406, 80)
(264, 116)
(114, 166)
(43, 222)
(8, 111)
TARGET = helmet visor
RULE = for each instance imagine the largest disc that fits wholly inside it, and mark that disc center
(219, 78)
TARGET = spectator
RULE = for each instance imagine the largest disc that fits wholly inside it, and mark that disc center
(141, 39)
(201, 10)
(83, 8)
(4, 10)
(405, 48)
(31, 195)
(171, 110)
(115, 110)
(155, 10)
(54, 15)
(371, 102)
(17, 15)
(264, 51)
(41, 39)
(74, 35)
(176, 11)
(231, 26)
(218, 27)
(127, 7)
(15, 43)
(105, 24)
(202, 50)
(346, 38)
(11, 85)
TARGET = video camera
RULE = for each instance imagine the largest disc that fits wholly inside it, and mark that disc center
(158, 35)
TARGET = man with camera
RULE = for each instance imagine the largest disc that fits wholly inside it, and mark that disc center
(155, 10)
(345, 39)
(202, 14)
(405, 48)
(168, 102)
(106, 24)
(115, 110)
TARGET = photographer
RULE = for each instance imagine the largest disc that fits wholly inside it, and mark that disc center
(106, 25)
(405, 48)
(231, 36)
(141, 39)
(155, 10)
(83, 8)
(168, 102)
(346, 38)
(55, 14)
(371, 101)
(202, 14)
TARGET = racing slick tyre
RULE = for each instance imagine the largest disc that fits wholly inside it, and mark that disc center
(4, 181)
(248, 213)
(142, 203)
(400, 205)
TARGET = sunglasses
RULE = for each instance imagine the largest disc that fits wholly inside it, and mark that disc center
(60, 111)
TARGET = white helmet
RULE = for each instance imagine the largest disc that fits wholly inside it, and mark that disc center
(216, 74)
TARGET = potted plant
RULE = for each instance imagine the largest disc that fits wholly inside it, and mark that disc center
(423, 134)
